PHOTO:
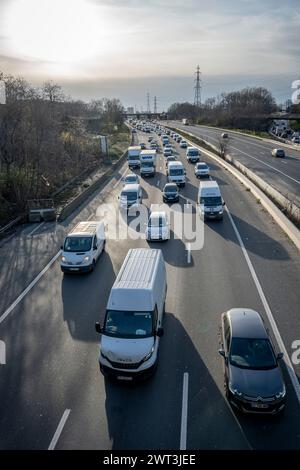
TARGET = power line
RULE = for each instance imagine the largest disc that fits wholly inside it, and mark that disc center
(197, 88)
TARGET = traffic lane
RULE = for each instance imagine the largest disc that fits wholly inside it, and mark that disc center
(246, 204)
(24, 256)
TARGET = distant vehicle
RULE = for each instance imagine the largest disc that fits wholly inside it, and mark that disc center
(296, 140)
(183, 144)
(148, 162)
(132, 178)
(224, 135)
(280, 153)
(201, 169)
(178, 139)
(210, 200)
(253, 378)
(171, 158)
(167, 152)
(168, 132)
(153, 145)
(193, 154)
(170, 193)
(133, 156)
(165, 140)
(185, 122)
(133, 131)
(176, 173)
(150, 139)
(133, 322)
(82, 247)
(143, 146)
(158, 227)
(130, 195)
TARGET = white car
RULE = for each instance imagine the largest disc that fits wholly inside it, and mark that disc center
(131, 178)
(167, 152)
(201, 169)
(158, 227)
(183, 144)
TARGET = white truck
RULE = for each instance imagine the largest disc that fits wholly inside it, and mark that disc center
(133, 323)
(148, 162)
(133, 156)
(210, 200)
(185, 122)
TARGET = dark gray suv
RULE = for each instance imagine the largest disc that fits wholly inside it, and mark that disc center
(253, 378)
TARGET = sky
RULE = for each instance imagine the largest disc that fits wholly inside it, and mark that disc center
(126, 48)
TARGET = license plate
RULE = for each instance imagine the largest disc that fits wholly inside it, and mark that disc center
(259, 405)
(74, 269)
(123, 377)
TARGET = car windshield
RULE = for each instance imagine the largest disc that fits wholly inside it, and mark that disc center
(75, 244)
(130, 195)
(211, 201)
(193, 153)
(170, 189)
(128, 324)
(252, 354)
(130, 179)
(176, 171)
(201, 166)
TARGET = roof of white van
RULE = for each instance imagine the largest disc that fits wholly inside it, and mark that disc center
(148, 152)
(86, 228)
(171, 164)
(209, 184)
(138, 268)
(134, 147)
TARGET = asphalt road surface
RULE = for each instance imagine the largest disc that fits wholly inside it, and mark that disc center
(281, 173)
(51, 391)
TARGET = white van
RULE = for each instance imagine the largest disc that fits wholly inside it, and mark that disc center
(176, 173)
(131, 194)
(82, 247)
(210, 200)
(132, 326)
(148, 162)
(133, 156)
(193, 154)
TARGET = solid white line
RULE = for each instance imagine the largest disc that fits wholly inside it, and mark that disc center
(36, 228)
(28, 288)
(268, 311)
(184, 411)
(157, 184)
(59, 430)
(267, 164)
(188, 248)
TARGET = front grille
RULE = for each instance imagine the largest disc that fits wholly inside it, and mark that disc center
(125, 365)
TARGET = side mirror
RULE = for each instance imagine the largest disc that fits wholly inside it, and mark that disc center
(95, 247)
(98, 327)
(61, 247)
(280, 356)
(160, 332)
(223, 203)
(222, 353)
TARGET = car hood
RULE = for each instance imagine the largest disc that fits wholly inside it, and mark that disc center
(125, 350)
(256, 383)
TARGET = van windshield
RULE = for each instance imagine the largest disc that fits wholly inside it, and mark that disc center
(73, 244)
(133, 157)
(147, 163)
(211, 201)
(128, 324)
(176, 171)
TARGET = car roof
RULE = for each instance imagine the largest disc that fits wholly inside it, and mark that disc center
(246, 323)
(171, 185)
(131, 187)
(156, 214)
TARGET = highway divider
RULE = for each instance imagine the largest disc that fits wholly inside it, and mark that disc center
(266, 194)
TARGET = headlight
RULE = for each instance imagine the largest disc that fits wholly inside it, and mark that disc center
(234, 391)
(220, 212)
(281, 394)
(86, 259)
(147, 357)
(64, 259)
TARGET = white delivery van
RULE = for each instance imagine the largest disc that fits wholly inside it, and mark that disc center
(210, 200)
(176, 173)
(148, 162)
(131, 194)
(193, 154)
(133, 156)
(132, 326)
(82, 247)
(165, 140)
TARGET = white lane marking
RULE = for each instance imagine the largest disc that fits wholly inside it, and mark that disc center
(90, 217)
(59, 429)
(36, 228)
(157, 184)
(28, 288)
(268, 311)
(188, 248)
(118, 181)
(184, 411)
(266, 164)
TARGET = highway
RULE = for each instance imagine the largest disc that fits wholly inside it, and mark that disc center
(51, 390)
(281, 173)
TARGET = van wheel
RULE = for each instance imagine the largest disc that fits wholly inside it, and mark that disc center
(104, 245)
(93, 265)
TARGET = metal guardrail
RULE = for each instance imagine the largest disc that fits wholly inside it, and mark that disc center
(11, 224)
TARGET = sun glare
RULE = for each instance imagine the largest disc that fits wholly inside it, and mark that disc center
(57, 31)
